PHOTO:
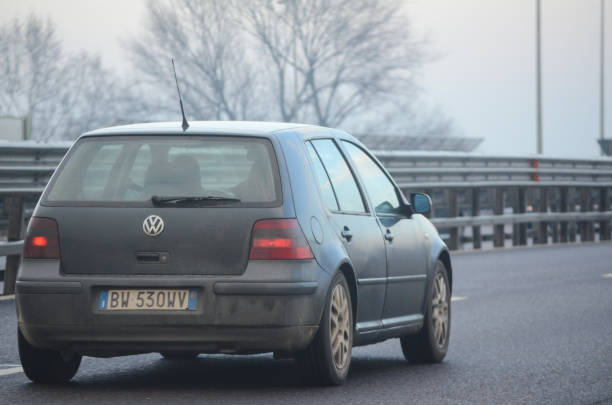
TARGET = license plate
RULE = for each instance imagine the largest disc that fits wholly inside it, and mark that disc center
(159, 300)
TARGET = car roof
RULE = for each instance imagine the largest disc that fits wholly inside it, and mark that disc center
(210, 127)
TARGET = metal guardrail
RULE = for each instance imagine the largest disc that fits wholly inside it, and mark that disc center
(25, 169)
(553, 188)
(11, 248)
(521, 218)
(563, 197)
(418, 170)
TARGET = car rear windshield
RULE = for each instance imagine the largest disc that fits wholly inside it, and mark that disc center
(134, 169)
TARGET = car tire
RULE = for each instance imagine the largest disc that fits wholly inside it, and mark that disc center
(328, 357)
(430, 344)
(179, 356)
(46, 366)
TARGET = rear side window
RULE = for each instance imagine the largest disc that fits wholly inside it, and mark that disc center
(324, 184)
(135, 168)
(343, 182)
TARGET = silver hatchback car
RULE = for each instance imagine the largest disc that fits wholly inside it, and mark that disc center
(229, 237)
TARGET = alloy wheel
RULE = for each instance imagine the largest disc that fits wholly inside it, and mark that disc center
(339, 327)
(439, 310)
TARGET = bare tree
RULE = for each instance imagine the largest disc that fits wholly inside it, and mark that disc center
(328, 62)
(62, 95)
(212, 54)
(335, 59)
(348, 63)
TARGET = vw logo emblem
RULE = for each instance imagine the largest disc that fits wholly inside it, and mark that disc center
(153, 225)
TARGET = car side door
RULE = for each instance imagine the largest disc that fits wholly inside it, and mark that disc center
(355, 226)
(404, 239)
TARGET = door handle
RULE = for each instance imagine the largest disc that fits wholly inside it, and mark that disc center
(389, 235)
(346, 233)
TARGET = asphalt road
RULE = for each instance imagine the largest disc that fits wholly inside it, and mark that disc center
(529, 325)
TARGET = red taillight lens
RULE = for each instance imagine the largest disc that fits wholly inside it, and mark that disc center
(279, 239)
(39, 241)
(42, 239)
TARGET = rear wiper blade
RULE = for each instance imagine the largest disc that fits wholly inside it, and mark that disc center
(158, 200)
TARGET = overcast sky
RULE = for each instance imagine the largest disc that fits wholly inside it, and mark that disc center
(483, 75)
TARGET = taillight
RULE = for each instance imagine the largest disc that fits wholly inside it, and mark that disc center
(42, 239)
(279, 239)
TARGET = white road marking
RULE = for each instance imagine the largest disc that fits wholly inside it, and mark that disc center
(13, 370)
(457, 298)
(607, 275)
(6, 297)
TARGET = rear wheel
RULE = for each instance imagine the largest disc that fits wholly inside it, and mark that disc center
(328, 357)
(431, 343)
(44, 365)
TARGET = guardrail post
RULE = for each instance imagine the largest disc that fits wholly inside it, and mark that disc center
(573, 226)
(563, 205)
(452, 213)
(543, 226)
(554, 226)
(515, 210)
(522, 207)
(585, 206)
(15, 210)
(499, 233)
(476, 235)
(604, 205)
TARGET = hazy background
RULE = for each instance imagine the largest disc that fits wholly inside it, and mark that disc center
(483, 75)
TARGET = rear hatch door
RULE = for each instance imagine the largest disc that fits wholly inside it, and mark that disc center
(162, 204)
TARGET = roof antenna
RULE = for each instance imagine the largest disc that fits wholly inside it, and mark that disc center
(185, 124)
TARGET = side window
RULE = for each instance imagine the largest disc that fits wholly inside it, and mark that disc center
(378, 186)
(340, 175)
(324, 184)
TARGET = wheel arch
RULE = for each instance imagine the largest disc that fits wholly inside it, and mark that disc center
(444, 257)
(439, 252)
(349, 274)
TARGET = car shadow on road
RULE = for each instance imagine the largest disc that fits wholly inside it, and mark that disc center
(228, 373)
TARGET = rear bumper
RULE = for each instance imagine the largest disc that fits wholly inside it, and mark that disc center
(124, 340)
(268, 308)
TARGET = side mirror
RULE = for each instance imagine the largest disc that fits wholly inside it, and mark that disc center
(421, 203)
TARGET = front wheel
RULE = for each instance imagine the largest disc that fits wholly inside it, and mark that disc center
(431, 343)
(46, 366)
(328, 357)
